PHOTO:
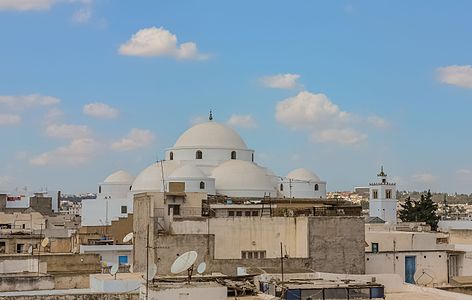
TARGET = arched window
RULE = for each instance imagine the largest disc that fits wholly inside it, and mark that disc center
(199, 154)
(130, 187)
(171, 155)
(99, 189)
(281, 186)
(316, 187)
(202, 185)
(233, 154)
(252, 157)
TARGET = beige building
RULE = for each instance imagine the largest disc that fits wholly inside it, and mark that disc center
(312, 235)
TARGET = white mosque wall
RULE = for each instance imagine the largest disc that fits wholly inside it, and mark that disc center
(245, 193)
(303, 189)
(113, 190)
(100, 211)
(213, 156)
(193, 185)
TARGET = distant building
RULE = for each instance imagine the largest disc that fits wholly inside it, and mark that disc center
(383, 199)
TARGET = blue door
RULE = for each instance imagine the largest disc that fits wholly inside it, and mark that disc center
(123, 259)
(410, 269)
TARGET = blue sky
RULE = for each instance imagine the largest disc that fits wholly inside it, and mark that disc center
(340, 87)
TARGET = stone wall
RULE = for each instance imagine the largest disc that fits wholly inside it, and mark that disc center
(72, 263)
(337, 244)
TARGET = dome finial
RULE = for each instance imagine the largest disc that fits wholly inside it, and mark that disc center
(211, 116)
(382, 173)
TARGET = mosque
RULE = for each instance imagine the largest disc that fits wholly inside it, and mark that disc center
(209, 157)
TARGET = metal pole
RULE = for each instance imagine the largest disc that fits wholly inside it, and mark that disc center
(147, 263)
(282, 263)
(39, 246)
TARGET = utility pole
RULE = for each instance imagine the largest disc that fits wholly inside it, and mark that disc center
(282, 263)
(147, 262)
(39, 245)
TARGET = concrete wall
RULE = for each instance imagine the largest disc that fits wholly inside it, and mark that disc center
(20, 265)
(76, 297)
(72, 263)
(432, 264)
(71, 281)
(460, 236)
(337, 244)
(26, 283)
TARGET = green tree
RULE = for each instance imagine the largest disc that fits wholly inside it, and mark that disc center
(423, 210)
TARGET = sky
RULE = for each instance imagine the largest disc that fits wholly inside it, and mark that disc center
(88, 87)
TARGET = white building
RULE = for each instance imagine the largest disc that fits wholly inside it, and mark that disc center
(383, 200)
(209, 157)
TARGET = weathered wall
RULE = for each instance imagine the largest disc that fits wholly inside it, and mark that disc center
(25, 283)
(337, 245)
(460, 236)
(72, 263)
(60, 245)
(71, 281)
(76, 297)
(141, 221)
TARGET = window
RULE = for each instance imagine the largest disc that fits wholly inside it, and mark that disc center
(239, 213)
(375, 247)
(253, 254)
(202, 185)
(175, 208)
(247, 213)
(19, 248)
(130, 187)
(388, 194)
(230, 213)
(233, 154)
(123, 260)
(252, 157)
(24, 226)
(255, 213)
(199, 154)
(2, 247)
(281, 186)
(99, 189)
(124, 209)
(375, 194)
(317, 187)
(171, 155)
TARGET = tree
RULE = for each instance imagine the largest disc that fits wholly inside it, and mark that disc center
(423, 210)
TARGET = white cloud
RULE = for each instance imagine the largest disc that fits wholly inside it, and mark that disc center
(424, 178)
(67, 131)
(137, 138)
(159, 42)
(317, 114)
(9, 119)
(28, 101)
(82, 15)
(342, 136)
(281, 81)
(307, 109)
(53, 115)
(79, 151)
(378, 122)
(100, 110)
(464, 172)
(244, 121)
(25, 5)
(460, 76)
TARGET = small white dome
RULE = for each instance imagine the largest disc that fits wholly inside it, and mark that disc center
(303, 174)
(210, 135)
(187, 171)
(235, 177)
(119, 177)
(150, 179)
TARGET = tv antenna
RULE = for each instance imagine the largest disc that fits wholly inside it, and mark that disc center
(114, 270)
(128, 237)
(184, 262)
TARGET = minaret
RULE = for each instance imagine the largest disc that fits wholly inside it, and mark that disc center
(383, 199)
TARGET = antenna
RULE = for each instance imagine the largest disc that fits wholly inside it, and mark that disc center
(114, 270)
(184, 262)
(128, 237)
(201, 268)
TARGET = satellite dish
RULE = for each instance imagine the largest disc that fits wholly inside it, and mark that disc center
(152, 270)
(184, 262)
(114, 269)
(45, 242)
(128, 237)
(30, 250)
(201, 268)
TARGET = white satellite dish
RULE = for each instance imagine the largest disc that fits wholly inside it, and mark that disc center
(45, 242)
(184, 262)
(152, 270)
(114, 269)
(201, 268)
(30, 250)
(128, 237)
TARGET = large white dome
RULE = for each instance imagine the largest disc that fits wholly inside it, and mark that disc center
(240, 178)
(187, 171)
(303, 174)
(150, 179)
(210, 135)
(119, 177)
